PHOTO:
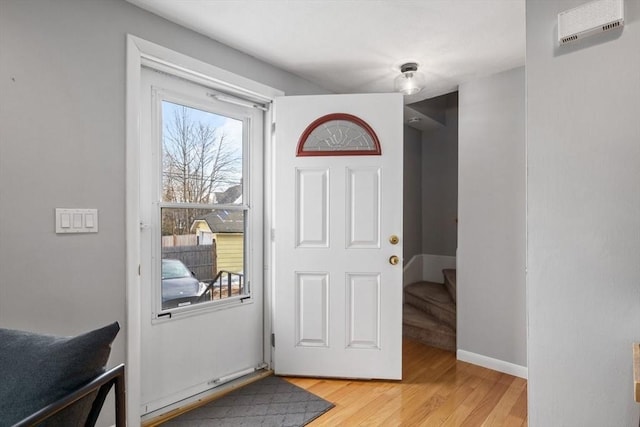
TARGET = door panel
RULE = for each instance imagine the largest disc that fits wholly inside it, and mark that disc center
(312, 208)
(338, 300)
(363, 310)
(312, 317)
(363, 210)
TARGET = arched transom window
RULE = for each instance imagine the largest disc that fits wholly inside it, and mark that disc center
(339, 134)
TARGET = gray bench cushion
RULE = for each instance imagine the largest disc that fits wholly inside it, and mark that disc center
(36, 370)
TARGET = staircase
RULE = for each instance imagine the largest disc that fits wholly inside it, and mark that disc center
(430, 312)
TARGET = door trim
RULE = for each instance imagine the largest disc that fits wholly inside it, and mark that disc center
(139, 51)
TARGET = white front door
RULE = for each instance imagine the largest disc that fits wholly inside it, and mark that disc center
(201, 239)
(338, 269)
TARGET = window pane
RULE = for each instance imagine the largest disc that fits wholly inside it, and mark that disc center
(338, 134)
(201, 156)
(202, 255)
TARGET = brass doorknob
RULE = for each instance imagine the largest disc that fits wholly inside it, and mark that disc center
(394, 239)
(393, 260)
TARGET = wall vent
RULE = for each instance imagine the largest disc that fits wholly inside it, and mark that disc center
(611, 26)
(590, 18)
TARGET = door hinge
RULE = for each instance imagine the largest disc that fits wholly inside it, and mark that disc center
(273, 127)
(273, 340)
(139, 269)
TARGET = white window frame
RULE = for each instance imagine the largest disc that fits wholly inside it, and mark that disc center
(139, 51)
(160, 94)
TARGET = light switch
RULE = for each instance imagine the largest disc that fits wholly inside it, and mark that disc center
(88, 220)
(65, 220)
(76, 220)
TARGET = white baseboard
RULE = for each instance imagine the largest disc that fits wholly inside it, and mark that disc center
(491, 363)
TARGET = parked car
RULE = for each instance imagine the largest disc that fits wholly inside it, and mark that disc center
(179, 285)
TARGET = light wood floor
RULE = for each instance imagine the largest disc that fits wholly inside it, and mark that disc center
(436, 390)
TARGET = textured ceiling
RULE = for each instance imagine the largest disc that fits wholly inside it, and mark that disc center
(357, 46)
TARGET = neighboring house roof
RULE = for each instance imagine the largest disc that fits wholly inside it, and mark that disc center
(224, 221)
(230, 195)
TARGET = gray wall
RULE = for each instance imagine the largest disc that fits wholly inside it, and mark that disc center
(583, 195)
(412, 210)
(440, 184)
(491, 234)
(62, 144)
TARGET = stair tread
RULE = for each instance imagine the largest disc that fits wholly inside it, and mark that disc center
(442, 340)
(432, 292)
(418, 318)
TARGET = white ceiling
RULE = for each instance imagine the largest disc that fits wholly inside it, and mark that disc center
(355, 46)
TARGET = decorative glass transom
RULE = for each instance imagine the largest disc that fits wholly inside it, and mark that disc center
(339, 134)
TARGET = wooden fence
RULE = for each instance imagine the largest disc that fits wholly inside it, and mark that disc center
(180, 240)
(199, 259)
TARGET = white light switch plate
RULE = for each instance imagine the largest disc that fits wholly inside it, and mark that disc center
(76, 220)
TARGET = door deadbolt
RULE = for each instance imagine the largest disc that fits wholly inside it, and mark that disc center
(394, 239)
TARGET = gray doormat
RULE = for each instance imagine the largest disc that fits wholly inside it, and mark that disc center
(269, 402)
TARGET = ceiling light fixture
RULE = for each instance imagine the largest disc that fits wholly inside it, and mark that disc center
(410, 81)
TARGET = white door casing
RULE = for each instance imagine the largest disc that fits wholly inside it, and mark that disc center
(338, 299)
